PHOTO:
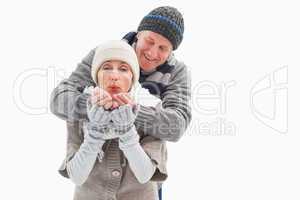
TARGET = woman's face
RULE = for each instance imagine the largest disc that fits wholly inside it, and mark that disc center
(115, 76)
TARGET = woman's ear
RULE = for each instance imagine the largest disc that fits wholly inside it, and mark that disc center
(130, 88)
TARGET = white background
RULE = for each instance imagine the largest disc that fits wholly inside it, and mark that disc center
(239, 41)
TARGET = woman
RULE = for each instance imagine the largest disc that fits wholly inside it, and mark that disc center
(129, 164)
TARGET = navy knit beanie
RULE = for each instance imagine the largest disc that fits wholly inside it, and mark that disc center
(166, 21)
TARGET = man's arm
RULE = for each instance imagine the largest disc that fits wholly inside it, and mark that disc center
(68, 101)
(169, 120)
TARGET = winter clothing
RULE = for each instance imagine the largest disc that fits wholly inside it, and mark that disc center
(104, 125)
(170, 82)
(113, 178)
(166, 21)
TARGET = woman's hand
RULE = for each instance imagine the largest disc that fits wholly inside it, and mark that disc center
(123, 118)
(98, 117)
(99, 123)
(123, 99)
(101, 98)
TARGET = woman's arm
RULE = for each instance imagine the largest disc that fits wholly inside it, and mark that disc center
(139, 162)
(80, 166)
(123, 124)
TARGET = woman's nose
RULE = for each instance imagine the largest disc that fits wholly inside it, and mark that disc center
(114, 75)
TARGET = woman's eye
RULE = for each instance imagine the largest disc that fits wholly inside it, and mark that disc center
(106, 67)
(124, 69)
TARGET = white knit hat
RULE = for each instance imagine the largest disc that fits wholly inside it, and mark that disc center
(116, 50)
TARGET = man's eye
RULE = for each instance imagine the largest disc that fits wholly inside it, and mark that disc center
(149, 41)
(163, 49)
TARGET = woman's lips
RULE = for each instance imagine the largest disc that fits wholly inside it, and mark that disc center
(114, 88)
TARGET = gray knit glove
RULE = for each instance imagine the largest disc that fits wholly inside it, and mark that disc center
(98, 117)
(129, 139)
(123, 118)
(97, 128)
(100, 122)
(93, 141)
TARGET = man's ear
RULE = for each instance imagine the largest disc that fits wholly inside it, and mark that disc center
(138, 35)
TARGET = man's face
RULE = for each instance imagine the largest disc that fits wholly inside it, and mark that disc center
(115, 76)
(152, 50)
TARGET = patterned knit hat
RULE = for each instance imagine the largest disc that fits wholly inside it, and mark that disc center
(166, 21)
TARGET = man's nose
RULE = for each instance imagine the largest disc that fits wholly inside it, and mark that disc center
(153, 52)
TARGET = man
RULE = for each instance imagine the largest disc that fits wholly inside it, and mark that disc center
(159, 33)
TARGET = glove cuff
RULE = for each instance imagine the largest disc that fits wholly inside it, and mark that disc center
(129, 139)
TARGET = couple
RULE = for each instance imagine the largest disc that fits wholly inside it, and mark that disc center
(116, 147)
